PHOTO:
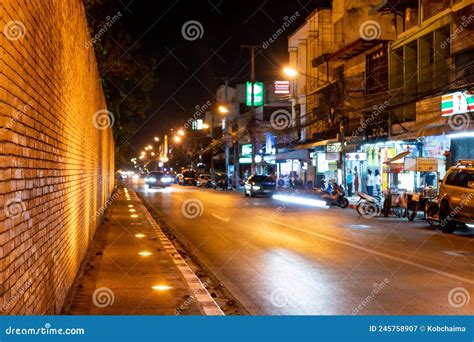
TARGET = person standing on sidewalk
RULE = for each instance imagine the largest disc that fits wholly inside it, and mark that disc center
(349, 180)
(370, 183)
(356, 180)
(378, 183)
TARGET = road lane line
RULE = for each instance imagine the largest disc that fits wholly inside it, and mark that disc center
(371, 251)
(220, 218)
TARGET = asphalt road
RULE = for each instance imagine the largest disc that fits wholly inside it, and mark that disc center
(281, 259)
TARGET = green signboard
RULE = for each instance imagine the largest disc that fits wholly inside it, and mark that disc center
(247, 150)
(257, 94)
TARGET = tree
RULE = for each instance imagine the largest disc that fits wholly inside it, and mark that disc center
(127, 74)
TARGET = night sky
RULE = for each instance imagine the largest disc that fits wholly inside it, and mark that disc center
(187, 70)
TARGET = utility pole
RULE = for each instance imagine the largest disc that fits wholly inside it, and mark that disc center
(252, 124)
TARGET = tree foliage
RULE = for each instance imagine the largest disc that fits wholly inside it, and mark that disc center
(127, 74)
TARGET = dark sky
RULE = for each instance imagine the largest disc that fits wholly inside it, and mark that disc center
(188, 70)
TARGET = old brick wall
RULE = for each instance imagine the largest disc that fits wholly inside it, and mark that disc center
(56, 151)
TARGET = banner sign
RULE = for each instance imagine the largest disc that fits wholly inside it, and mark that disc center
(257, 94)
(457, 103)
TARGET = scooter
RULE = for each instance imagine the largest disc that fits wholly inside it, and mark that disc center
(368, 206)
(336, 198)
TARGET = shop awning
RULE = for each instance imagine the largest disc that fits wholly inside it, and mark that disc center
(315, 144)
(398, 157)
(444, 128)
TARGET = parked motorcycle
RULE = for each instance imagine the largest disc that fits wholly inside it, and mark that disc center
(368, 206)
(335, 198)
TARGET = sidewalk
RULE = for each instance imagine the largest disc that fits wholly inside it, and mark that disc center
(133, 269)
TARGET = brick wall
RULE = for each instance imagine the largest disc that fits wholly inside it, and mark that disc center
(56, 156)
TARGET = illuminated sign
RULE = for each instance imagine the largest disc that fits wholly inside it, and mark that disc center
(247, 150)
(245, 160)
(357, 156)
(257, 94)
(457, 103)
(198, 124)
(282, 87)
(333, 147)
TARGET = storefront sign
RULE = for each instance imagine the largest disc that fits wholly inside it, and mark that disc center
(421, 164)
(282, 87)
(396, 167)
(357, 156)
(457, 103)
(333, 147)
(332, 156)
(332, 166)
(247, 150)
(257, 94)
(245, 160)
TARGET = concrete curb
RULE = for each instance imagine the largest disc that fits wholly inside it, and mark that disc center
(197, 288)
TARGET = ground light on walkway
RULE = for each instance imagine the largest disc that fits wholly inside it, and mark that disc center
(144, 253)
(301, 200)
(161, 287)
(140, 235)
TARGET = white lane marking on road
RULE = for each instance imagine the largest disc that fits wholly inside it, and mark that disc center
(220, 218)
(371, 251)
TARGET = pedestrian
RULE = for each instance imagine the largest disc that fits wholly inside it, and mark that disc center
(370, 183)
(378, 183)
(349, 180)
(356, 180)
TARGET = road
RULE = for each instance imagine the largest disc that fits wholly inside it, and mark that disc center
(282, 259)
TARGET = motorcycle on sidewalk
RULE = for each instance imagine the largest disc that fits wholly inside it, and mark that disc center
(335, 198)
(368, 206)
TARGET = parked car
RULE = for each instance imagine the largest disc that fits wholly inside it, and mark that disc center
(158, 178)
(259, 185)
(204, 180)
(189, 178)
(456, 196)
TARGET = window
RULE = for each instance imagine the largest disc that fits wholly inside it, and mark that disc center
(464, 178)
(450, 178)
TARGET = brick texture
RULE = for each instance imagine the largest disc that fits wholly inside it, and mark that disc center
(56, 166)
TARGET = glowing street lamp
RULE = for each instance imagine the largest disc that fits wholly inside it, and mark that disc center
(177, 139)
(205, 126)
(223, 109)
(290, 72)
(181, 132)
(150, 147)
(157, 139)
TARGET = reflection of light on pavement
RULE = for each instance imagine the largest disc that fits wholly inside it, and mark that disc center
(301, 200)
(470, 225)
(165, 190)
(281, 267)
(161, 287)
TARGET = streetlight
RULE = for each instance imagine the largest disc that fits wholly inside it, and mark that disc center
(223, 109)
(181, 132)
(177, 139)
(205, 126)
(290, 72)
(157, 139)
(150, 147)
